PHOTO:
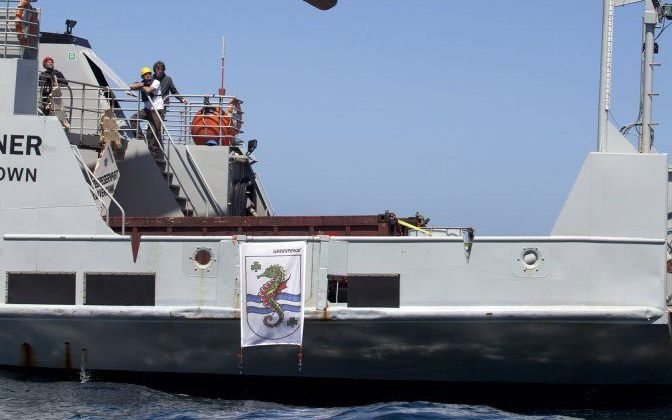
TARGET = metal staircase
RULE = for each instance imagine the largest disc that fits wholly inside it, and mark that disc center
(98, 116)
(169, 173)
(176, 188)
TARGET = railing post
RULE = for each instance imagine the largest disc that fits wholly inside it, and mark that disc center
(81, 121)
(6, 27)
(137, 116)
(221, 120)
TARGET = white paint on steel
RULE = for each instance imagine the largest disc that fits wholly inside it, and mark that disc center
(575, 312)
(400, 239)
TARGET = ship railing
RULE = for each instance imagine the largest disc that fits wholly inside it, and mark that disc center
(82, 105)
(19, 35)
(204, 119)
(93, 180)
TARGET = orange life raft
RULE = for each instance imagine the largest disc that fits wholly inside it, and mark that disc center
(210, 124)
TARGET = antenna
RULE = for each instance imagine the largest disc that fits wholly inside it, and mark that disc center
(605, 73)
(69, 24)
(222, 90)
(653, 13)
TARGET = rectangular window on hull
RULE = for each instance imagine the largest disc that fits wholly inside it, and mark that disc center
(41, 288)
(364, 290)
(120, 289)
(337, 289)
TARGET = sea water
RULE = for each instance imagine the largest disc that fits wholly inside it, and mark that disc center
(47, 399)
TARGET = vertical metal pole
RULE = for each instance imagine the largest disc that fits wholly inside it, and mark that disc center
(6, 27)
(605, 73)
(221, 119)
(37, 37)
(222, 90)
(137, 116)
(650, 21)
(81, 121)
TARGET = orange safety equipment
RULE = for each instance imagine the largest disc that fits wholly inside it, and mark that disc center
(210, 124)
(26, 18)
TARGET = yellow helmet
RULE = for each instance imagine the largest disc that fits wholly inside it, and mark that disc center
(145, 70)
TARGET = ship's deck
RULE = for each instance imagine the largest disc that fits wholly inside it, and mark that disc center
(370, 225)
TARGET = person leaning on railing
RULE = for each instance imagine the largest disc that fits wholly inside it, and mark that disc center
(50, 79)
(167, 86)
(150, 89)
(25, 24)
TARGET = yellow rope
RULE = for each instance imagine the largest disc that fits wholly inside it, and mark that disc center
(410, 226)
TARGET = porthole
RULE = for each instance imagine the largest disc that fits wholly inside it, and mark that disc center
(530, 259)
(203, 258)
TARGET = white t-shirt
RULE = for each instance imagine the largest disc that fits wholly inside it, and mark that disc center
(153, 99)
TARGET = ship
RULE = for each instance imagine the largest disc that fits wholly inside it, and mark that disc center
(116, 260)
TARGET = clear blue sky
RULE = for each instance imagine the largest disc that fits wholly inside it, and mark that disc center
(473, 113)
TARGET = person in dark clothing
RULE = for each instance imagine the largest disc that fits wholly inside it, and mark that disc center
(167, 86)
(50, 78)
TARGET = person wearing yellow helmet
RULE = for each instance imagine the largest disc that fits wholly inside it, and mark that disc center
(150, 89)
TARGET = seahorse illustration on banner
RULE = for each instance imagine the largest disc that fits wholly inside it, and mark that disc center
(269, 292)
(273, 281)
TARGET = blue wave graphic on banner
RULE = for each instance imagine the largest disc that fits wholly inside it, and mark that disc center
(282, 296)
(265, 311)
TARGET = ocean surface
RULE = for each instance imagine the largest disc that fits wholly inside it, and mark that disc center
(33, 398)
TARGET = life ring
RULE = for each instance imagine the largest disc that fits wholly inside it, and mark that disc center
(26, 15)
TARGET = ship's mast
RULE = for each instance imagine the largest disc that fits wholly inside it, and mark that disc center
(652, 16)
(651, 19)
(222, 89)
(605, 73)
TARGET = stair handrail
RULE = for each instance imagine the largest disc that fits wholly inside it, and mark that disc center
(199, 186)
(262, 191)
(93, 178)
(170, 166)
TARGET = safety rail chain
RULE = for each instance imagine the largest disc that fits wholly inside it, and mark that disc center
(21, 33)
(82, 106)
(94, 191)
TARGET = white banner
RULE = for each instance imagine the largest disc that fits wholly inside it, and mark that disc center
(273, 281)
(107, 173)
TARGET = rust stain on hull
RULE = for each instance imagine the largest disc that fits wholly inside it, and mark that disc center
(27, 356)
(68, 356)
